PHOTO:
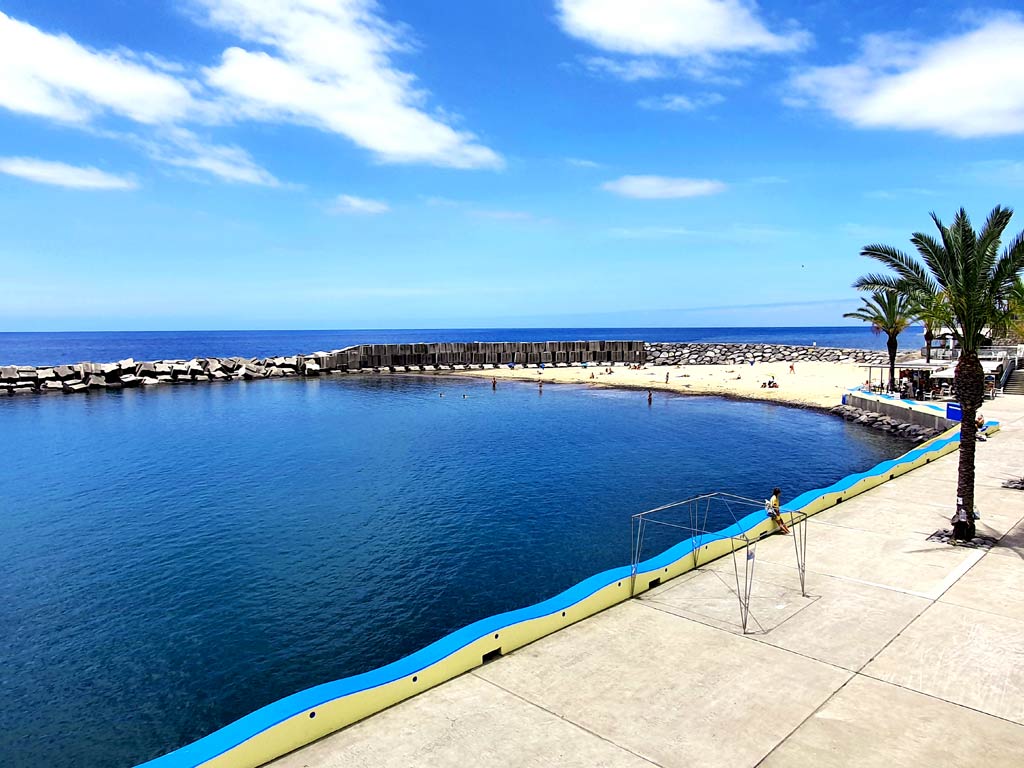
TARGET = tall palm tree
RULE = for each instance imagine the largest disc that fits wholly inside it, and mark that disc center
(978, 281)
(890, 313)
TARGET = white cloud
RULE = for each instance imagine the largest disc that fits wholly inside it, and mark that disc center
(965, 85)
(676, 102)
(662, 187)
(629, 70)
(63, 175)
(898, 194)
(319, 63)
(52, 76)
(328, 65)
(737, 234)
(580, 162)
(674, 28)
(503, 215)
(183, 149)
(361, 205)
(1004, 173)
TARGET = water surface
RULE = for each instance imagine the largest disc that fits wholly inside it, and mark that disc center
(177, 557)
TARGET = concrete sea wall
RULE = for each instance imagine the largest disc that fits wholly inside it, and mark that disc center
(308, 715)
(680, 353)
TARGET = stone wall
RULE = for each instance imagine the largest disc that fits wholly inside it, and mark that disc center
(679, 353)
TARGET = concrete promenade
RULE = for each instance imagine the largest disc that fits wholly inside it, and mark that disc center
(906, 652)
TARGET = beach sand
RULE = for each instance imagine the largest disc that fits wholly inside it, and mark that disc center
(814, 384)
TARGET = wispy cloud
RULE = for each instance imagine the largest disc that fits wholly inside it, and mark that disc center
(329, 66)
(1003, 173)
(580, 162)
(629, 70)
(739, 234)
(63, 175)
(52, 76)
(358, 205)
(503, 215)
(662, 187)
(964, 85)
(899, 193)
(676, 102)
(693, 33)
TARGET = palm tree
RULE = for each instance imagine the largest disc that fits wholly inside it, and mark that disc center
(932, 311)
(977, 280)
(890, 313)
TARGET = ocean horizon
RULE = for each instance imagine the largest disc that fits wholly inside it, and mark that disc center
(68, 347)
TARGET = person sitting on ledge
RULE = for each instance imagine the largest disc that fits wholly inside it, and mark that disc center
(980, 424)
(773, 508)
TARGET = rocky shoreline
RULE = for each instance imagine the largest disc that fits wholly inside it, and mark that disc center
(670, 353)
(914, 432)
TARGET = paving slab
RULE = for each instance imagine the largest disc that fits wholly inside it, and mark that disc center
(467, 722)
(962, 655)
(860, 618)
(995, 585)
(896, 560)
(670, 689)
(871, 724)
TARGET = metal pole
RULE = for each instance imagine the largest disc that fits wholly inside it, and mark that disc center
(800, 548)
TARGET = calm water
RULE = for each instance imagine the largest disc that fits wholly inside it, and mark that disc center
(176, 557)
(58, 348)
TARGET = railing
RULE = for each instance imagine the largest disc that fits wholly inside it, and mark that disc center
(985, 353)
(1008, 369)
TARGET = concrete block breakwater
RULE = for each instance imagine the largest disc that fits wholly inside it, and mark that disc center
(83, 377)
(676, 353)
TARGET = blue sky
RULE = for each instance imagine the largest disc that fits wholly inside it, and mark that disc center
(197, 164)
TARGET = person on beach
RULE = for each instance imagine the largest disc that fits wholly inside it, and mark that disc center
(494, 382)
(774, 510)
(666, 377)
(980, 424)
(792, 369)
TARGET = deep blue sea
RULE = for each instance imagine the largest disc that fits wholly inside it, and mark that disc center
(107, 346)
(176, 557)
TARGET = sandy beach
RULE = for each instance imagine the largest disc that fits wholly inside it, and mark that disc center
(814, 384)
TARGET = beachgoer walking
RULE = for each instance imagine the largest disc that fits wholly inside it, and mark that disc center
(666, 377)
(791, 368)
(774, 510)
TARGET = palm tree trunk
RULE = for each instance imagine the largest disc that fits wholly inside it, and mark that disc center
(892, 346)
(928, 343)
(970, 389)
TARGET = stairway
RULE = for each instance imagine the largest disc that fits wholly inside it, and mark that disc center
(1015, 386)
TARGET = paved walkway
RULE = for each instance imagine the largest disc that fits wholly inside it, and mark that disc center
(905, 653)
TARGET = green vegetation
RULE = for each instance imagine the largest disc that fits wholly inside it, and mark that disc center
(980, 287)
(890, 313)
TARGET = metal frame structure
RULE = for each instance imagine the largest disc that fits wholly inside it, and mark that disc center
(697, 510)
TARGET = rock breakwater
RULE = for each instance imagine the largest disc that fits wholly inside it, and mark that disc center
(669, 353)
(83, 377)
(885, 423)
